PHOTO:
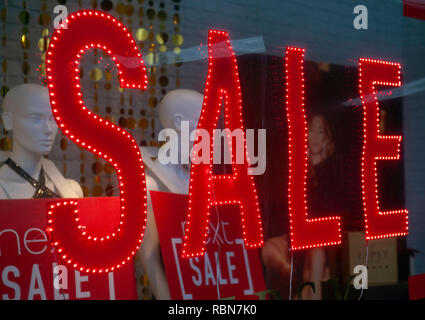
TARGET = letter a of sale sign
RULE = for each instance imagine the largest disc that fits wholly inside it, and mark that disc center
(226, 270)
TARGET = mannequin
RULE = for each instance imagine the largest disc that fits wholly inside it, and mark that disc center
(176, 106)
(27, 113)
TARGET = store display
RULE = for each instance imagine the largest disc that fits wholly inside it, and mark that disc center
(298, 165)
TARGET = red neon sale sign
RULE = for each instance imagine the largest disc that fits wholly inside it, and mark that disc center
(86, 29)
(376, 147)
(305, 233)
(205, 189)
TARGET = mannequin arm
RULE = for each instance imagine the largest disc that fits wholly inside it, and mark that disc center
(151, 259)
(275, 255)
(149, 252)
(316, 264)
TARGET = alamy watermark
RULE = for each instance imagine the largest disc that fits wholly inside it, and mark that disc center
(361, 20)
(360, 280)
(176, 150)
(60, 21)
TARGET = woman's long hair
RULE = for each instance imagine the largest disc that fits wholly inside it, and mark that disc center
(328, 146)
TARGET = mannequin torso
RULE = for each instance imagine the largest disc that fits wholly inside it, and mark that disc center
(177, 106)
(12, 186)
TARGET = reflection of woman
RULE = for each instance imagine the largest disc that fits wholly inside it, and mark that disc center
(320, 142)
(325, 197)
(320, 148)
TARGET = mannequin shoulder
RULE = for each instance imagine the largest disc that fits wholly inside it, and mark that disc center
(3, 156)
(3, 194)
(56, 176)
(152, 183)
(7, 174)
(3, 171)
(75, 186)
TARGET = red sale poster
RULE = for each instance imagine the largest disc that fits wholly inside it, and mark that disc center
(417, 287)
(414, 9)
(227, 269)
(28, 264)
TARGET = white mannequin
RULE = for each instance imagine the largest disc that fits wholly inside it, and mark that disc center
(27, 113)
(176, 106)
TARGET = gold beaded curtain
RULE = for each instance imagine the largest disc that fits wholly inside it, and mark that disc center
(26, 28)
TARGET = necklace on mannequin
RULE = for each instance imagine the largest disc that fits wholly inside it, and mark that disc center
(41, 190)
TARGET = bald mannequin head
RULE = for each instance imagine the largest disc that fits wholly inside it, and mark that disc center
(27, 113)
(180, 105)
